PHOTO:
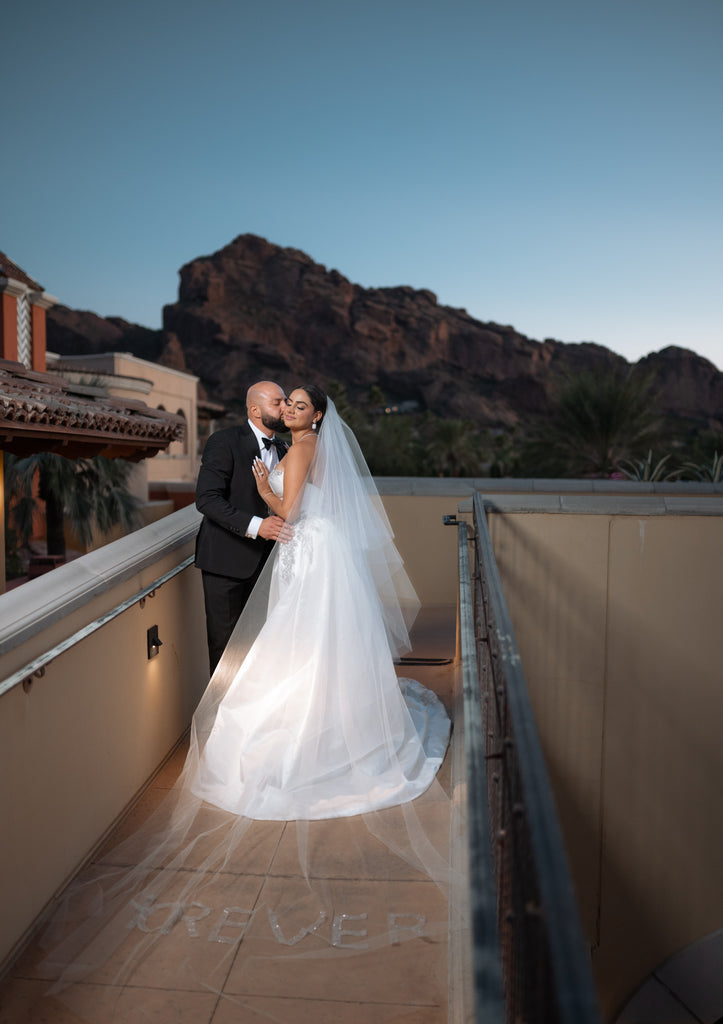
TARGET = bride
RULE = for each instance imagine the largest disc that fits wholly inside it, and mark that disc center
(250, 859)
(315, 724)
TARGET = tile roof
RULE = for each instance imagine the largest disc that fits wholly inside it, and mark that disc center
(44, 412)
(12, 270)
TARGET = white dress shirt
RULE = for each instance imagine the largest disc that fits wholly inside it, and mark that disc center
(270, 458)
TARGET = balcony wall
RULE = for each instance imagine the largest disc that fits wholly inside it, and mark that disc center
(80, 742)
(616, 605)
(616, 612)
(415, 506)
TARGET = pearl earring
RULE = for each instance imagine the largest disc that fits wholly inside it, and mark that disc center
(313, 426)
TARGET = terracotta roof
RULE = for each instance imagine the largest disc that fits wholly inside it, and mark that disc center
(44, 412)
(12, 270)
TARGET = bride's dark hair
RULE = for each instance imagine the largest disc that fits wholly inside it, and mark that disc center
(318, 400)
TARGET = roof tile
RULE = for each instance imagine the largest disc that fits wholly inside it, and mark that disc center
(10, 269)
(42, 408)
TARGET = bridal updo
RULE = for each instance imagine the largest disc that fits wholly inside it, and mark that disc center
(318, 400)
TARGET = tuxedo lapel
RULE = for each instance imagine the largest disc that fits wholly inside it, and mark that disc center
(248, 441)
(249, 449)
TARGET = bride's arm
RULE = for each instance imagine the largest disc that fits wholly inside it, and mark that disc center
(296, 467)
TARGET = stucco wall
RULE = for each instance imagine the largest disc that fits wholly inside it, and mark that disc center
(175, 392)
(618, 622)
(78, 745)
(429, 548)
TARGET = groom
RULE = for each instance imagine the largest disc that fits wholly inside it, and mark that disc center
(237, 533)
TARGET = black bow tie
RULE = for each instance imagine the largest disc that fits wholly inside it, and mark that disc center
(277, 443)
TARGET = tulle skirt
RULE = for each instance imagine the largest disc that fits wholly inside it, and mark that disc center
(315, 723)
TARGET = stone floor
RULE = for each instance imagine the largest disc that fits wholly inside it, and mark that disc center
(402, 983)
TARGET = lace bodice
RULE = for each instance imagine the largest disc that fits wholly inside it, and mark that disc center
(276, 481)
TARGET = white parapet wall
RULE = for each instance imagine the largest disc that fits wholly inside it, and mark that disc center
(615, 594)
(616, 605)
(79, 741)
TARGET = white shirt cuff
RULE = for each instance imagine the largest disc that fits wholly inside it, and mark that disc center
(253, 527)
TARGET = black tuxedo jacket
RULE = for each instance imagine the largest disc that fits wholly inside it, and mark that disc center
(226, 495)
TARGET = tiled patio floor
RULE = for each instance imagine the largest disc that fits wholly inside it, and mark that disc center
(405, 983)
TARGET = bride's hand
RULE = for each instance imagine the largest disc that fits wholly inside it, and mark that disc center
(261, 476)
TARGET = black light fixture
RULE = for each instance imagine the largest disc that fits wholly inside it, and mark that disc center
(154, 644)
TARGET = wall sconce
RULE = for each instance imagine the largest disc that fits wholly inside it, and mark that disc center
(154, 644)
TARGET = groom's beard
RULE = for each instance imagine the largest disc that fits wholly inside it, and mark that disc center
(273, 424)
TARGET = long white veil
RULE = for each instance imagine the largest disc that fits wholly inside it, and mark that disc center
(219, 898)
(339, 489)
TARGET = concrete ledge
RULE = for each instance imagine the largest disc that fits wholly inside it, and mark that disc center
(30, 609)
(620, 505)
(598, 504)
(689, 506)
(454, 486)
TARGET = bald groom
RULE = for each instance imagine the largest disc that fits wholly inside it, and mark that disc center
(237, 533)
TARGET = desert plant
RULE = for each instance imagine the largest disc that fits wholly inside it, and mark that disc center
(82, 493)
(712, 471)
(644, 470)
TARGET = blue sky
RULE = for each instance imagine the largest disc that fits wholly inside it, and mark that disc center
(556, 166)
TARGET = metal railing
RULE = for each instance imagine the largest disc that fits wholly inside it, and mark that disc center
(531, 924)
(36, 667)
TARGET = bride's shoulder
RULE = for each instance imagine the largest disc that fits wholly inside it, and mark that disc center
(299, 455)
(302, 451)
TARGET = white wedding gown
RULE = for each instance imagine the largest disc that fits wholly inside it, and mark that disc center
(304, 719)
(315, 723)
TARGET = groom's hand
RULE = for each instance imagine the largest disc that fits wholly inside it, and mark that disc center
(271, 527)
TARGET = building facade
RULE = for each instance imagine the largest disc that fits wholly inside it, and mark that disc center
(23, 303)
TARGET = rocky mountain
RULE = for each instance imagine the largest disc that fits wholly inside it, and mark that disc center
(79, 332)
(254, 310)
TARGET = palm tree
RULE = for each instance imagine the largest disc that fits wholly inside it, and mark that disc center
(455, 449)
(506, 450)
(83, 493)
(391, 446)
(597, 421)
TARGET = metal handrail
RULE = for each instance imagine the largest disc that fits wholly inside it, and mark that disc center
(486, 963)
(36, 667)
(573, 988)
